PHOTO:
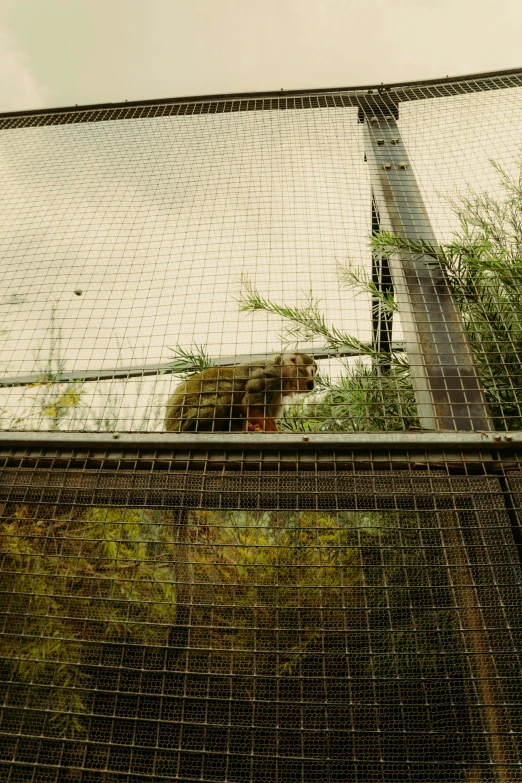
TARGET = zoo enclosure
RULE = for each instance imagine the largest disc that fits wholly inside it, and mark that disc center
(306, 606)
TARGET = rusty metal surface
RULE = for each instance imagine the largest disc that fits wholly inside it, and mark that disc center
(141, 488)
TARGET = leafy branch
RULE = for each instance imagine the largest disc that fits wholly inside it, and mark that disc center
(188, 361)
(307, 324)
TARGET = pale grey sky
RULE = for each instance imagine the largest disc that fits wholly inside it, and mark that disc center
(63, 52)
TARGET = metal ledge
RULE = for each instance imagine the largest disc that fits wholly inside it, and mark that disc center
(357, 441)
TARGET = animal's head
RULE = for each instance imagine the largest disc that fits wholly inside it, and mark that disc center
(298, 372)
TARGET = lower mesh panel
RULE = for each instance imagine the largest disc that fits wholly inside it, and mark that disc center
(248, 627)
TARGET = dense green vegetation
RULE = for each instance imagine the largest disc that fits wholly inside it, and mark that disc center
(282, 583)
(483, 265)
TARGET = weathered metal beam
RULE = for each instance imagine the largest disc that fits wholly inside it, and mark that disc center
(447, 387)
(254, 442)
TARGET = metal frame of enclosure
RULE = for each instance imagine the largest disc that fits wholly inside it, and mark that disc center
(311, 607)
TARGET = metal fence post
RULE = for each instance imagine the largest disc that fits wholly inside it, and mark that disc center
(382, 319)
(445, 380)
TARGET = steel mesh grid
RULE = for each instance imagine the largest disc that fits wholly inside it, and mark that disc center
(296, 99)
(154, 212)
(259, 607)
(195, 618)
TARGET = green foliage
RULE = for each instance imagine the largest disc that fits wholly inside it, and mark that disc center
(301, 568)
(76, 580)
(360, 401)
(55, 403)
(483, 266)
(304, 323)
(72, 578)
(357, 279)
(188, 361)
(283, 582)
(366, 397)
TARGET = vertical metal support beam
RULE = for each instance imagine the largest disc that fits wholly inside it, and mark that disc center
(475, 627)
(447, 387)
(382, 319)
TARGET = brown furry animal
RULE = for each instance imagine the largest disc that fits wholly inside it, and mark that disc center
(246, 397)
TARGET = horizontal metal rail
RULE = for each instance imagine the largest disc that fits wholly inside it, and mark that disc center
(254, 101)
(143, 370)
(461, 441)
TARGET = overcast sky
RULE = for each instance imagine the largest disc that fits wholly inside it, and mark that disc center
(63, 52)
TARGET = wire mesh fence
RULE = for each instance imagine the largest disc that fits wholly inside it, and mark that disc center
(338, 600)
(181, 616)
(377, 230)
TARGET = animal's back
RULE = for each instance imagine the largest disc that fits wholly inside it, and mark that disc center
(209, 401)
